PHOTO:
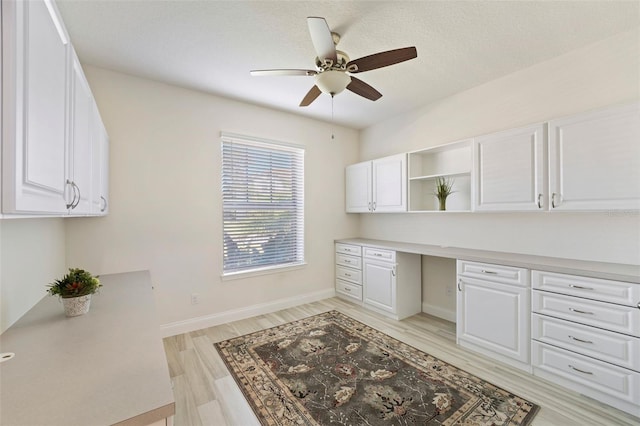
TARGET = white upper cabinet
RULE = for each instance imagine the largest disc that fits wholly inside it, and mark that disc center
(100, 169)
(51, 126)
(594, 160)
(377, 186)
(389, 176)
(80, 143)
(358, 183)
(35, 91)
(509, 170)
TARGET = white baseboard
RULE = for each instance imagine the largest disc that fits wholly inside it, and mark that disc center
(439, 312)
(185, 326)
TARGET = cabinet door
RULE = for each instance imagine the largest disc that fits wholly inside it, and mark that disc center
(494, 316)
(35, 51)
(380, 285)
(509, 170)
(390, 184)
(595, 160)
(100, 164)
(358, 187)
(81, 142)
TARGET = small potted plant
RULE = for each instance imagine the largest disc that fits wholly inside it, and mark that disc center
(75, 290)
(444, 188)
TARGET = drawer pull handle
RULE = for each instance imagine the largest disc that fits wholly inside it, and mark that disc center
(347, 261)
(489, 272)
(580, 340)
(579, 287)
(580, 371)
(580, 312)
(347, 275)
(347, 289)
(377, 254)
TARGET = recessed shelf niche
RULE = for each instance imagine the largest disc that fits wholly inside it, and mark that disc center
(451, 161)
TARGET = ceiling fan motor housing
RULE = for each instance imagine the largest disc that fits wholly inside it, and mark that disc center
(327, 64)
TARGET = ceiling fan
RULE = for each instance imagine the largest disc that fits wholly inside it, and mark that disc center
(333, 67)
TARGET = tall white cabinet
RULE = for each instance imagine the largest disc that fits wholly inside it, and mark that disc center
(377, 186)
(509, 170)
(53, 137)
(594, 160)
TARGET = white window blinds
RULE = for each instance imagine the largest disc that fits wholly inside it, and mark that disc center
(263, 204)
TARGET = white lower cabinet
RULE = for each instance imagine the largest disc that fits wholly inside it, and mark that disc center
(493, 311)
(586, 336)
(349, 272)
(384, 281)
(392, 282)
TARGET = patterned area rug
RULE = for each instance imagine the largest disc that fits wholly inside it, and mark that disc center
(330, 369)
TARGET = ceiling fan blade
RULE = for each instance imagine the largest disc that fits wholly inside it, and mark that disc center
(310, 96)
(361, 88)
(321, 38)
(382, 59)
(260, 73)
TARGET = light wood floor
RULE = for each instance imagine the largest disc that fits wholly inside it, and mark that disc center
(206, 394)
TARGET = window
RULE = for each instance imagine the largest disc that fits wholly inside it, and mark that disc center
(263, 204)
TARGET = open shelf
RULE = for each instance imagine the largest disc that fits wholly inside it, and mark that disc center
(446, 161)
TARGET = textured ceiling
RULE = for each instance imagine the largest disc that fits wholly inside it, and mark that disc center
(211, 45)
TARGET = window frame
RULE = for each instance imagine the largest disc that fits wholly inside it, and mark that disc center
(300, 241)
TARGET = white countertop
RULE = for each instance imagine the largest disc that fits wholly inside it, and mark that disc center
(105, 367)
(613, 271)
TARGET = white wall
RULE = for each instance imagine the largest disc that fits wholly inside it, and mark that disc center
(32, 255)
(165, 197)
(607, 72)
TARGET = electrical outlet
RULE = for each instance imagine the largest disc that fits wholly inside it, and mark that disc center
(449, 291)
(195, 298)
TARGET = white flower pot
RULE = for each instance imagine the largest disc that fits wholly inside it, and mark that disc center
(74, 306)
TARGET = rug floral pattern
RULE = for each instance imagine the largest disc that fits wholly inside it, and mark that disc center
(330, 369)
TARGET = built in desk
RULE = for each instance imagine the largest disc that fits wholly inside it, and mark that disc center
(103, 368)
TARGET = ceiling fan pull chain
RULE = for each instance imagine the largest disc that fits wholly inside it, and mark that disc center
(332, 122)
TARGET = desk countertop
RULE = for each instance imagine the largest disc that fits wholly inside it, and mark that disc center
(102, 368)
(613, 271)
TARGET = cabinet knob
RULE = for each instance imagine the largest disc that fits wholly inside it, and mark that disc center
(553, 200)
(539, 201)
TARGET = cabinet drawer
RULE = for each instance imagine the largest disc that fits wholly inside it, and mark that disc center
(348, 249)
(618, 292)
(349, 274)
(498, 273)
(585, 374)
(350, 290)
(380, 254)
(612, 317)
(350, 261)
(616, 348)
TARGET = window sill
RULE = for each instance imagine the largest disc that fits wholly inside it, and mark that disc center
(264, 271)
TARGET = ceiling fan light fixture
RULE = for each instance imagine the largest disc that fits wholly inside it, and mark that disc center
(332, 82)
